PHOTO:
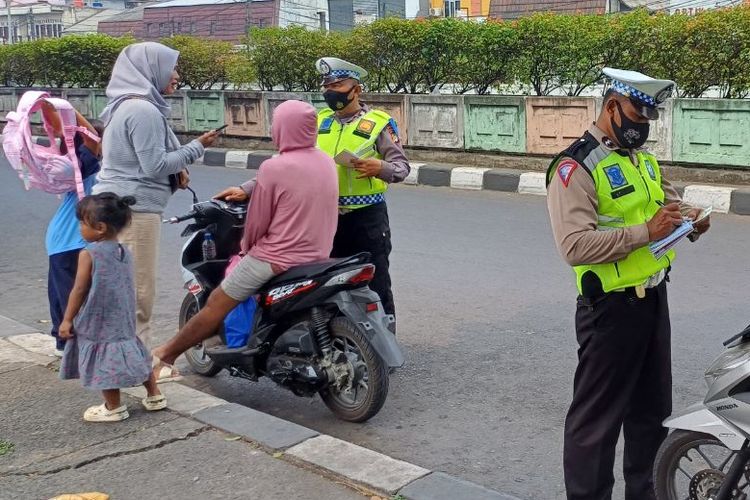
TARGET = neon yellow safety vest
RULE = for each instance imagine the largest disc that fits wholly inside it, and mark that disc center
(359, 138)
(628, 196)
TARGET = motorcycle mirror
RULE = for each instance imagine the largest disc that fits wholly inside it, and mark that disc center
(195, 196)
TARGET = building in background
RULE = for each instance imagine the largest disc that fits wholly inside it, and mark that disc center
(467, 9)
(513, 9)
(127, 22)
(32, 19)
(345, 14)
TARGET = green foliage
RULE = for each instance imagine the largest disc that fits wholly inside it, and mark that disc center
(541, 53)
(6, 447)
(83, 61)
(202, 63)
(285, 57)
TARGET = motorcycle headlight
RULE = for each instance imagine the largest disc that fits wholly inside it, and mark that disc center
(728, 361)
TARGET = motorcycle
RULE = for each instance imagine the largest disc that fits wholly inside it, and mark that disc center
(318, 328)
(707, 454)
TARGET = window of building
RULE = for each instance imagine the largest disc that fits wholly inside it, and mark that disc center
(452, 8)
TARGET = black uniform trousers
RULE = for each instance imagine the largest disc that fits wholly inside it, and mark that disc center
(623, 381)
(367, 230)
(60, 280)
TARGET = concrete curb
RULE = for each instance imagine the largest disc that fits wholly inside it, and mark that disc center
(299, 445)
(724, 199)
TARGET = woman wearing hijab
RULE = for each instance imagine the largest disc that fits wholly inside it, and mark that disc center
(140, 153)
(291, 221)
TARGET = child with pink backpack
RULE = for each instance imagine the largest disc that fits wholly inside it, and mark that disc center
(67, 168)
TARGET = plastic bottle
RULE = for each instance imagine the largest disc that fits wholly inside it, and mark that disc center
(209, 246)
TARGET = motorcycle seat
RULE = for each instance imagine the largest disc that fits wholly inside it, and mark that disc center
(317, 268)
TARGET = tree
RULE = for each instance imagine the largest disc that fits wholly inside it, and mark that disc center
(202, 63)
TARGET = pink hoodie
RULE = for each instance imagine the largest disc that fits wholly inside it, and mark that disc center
(294, 206)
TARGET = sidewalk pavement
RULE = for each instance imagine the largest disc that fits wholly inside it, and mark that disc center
(202, 447)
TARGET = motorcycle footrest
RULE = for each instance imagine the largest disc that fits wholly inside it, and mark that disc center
(227, 356)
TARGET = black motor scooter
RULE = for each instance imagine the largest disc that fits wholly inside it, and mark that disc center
(318, 327)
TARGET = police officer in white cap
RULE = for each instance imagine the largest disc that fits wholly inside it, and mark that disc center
(372, 136)
(607, 201)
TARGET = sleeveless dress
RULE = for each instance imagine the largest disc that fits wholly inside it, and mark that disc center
(105, 352)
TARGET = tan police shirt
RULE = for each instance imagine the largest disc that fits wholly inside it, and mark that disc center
(574, 217)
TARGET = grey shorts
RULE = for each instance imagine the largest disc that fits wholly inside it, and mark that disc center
(247, 278)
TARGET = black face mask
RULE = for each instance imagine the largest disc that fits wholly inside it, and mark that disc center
(337, 100)
(630, 134)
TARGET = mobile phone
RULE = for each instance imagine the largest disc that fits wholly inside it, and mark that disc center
(221, 128)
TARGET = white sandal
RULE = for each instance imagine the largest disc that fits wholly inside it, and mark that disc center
(166, 373)
(154, 403)
(100, 413)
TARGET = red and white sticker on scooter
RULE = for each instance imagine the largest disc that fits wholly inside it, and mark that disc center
(285, 291)
(195, 288)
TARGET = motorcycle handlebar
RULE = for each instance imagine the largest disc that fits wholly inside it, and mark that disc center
(175, 220)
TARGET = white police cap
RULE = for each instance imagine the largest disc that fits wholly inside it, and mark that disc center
(644, 92)
(334, 70)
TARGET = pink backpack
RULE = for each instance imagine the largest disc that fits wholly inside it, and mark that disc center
(44, 167)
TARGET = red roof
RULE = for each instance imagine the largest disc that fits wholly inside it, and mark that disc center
(513, 9)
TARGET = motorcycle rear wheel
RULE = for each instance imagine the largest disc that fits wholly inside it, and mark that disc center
(196, 355)
(691, 466)
(345, 335)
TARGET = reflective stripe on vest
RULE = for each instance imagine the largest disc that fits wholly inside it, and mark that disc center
(628, 196)
(358, 137)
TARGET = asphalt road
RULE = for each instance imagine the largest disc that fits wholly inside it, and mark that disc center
(485, 309)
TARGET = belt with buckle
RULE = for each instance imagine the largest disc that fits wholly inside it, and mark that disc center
(652, 282)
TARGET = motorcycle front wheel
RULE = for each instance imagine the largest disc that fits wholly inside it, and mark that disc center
(196, 355)
(692, 466)
(366, 389)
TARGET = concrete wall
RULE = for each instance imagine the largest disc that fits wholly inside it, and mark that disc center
(436, 121)
(691, 131)
(206, 110)
(714, 131)
(243, 112)
(495, 123)
(82, 100)
(273, 99)
(553, 123)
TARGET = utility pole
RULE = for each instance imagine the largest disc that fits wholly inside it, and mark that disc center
(322, 16)
(10, 23)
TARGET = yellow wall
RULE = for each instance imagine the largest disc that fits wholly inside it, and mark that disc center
(465, 4)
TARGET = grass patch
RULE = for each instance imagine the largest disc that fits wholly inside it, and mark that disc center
(6, 447)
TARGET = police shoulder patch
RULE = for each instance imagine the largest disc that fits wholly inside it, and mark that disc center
(392, 130)
(565, 170)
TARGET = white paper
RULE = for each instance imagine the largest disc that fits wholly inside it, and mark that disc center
(661, 247)
(345, 158)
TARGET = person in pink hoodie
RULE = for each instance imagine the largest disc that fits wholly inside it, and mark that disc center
(291, 221)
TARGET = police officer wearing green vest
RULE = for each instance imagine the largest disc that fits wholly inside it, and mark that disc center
(607, 201)
(372, 136)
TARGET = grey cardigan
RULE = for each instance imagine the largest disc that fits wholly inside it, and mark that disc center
(140, 152)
